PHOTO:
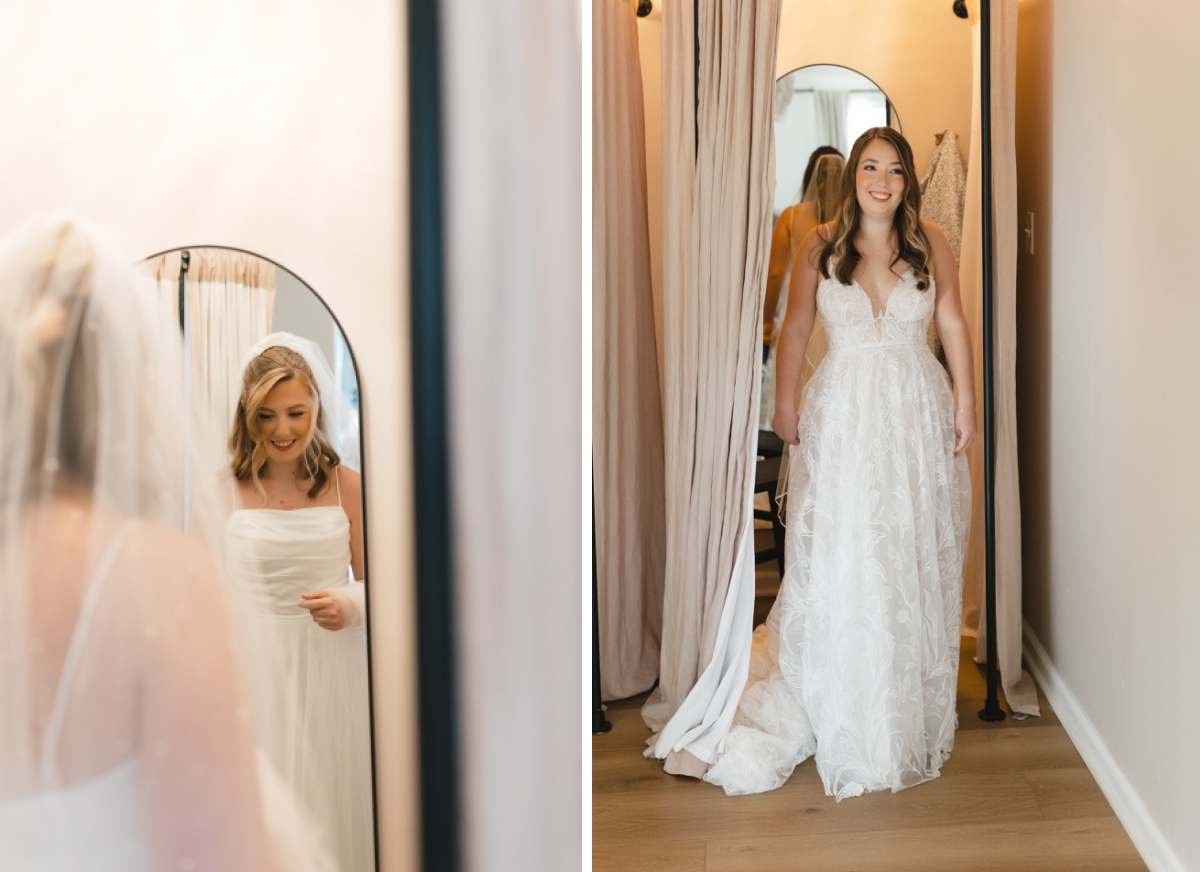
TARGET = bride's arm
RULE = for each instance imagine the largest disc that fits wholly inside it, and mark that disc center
(954, 334)
(344, 608)
(776, 267)
(794, 334)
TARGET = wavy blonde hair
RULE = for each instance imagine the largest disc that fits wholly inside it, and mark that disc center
(824, 189)
(248, 449)
(912, 243)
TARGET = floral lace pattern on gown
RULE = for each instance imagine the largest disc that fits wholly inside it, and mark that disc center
(858, 662)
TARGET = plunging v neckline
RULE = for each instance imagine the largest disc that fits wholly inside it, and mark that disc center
(887, 300)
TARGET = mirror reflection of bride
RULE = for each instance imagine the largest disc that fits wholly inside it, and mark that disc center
(857, 663)
(292, 541)
(821, 191)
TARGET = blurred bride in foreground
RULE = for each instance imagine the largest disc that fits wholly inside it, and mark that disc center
(124, 737)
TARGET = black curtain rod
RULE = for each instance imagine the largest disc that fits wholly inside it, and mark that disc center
(991, 711)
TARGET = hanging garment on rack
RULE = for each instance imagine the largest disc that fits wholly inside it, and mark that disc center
(943, 190)
(943, 197)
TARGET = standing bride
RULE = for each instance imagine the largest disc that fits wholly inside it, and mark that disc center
(857, 663)
(291, 542)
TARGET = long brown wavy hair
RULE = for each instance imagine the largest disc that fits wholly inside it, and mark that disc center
(248, 449)
(912, 243)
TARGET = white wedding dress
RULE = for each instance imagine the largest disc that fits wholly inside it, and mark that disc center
(858, 660)
(95, 825)
(313, 709)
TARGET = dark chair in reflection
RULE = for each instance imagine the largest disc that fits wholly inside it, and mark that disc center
(766, 480)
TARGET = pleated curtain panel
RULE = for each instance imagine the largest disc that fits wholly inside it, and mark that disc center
(718, 189)
(627, 429)
(514, 316)
(1019, 690)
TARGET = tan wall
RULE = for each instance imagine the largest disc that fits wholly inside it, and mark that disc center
(1109, 316)
(225, 122)
(917, 51)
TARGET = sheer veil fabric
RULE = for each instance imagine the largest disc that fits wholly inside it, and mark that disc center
(124, 737)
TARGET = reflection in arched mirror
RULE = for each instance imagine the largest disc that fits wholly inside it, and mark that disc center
(820, 110)
(273, 385)
(821, 105)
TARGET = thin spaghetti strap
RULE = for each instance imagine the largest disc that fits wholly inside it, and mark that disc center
(337, 476)
(87, 609)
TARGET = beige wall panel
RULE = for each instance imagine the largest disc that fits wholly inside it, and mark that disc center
(274, 128)
(1109, 318)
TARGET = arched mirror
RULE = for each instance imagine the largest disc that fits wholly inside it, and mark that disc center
(820, 110)
(821, 104)
(272, 381)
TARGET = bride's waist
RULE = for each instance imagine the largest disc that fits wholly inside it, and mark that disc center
(914, 346)
(280, 597)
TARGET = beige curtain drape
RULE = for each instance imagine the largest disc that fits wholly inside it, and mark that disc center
(627, 434)
(717, 228)
(514, 241)
(230, 300)
(1019, 690)
(164, 269)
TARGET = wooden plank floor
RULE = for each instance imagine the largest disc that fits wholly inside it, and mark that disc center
(1013, 797)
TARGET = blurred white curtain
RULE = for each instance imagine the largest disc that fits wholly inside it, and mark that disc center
(717, 230)
(230, 300)
(830, 109)
(514, 267)
(627, 434)
(1019, 690)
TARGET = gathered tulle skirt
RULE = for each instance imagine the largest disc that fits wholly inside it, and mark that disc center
(857, 663)
(313, 723)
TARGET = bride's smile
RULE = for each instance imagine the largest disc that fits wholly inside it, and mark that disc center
(285, 420)
(879, 180)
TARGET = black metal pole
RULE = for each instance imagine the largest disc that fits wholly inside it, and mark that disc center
(185, 259)
(696, 75)
(600, 724)
(437, 683)
(991, 710)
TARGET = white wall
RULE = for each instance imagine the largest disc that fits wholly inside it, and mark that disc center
(1109, 316)
(272, 128)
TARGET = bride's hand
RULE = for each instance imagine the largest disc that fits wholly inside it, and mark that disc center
(325, 609)
(965, 429)
(786, 425)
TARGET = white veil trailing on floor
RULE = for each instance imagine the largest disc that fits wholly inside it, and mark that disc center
(341, 419)
(124, 741)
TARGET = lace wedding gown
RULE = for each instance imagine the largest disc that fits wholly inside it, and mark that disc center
(858, 660)
(313, 710)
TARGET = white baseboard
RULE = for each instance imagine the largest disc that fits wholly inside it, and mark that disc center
(1125, 801)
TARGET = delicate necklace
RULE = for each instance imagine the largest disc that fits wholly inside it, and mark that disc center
(886, 244)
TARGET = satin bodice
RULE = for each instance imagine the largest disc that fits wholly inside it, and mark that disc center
(850, 324)
(274, 556)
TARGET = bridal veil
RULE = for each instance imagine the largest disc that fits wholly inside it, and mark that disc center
(125, 741)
